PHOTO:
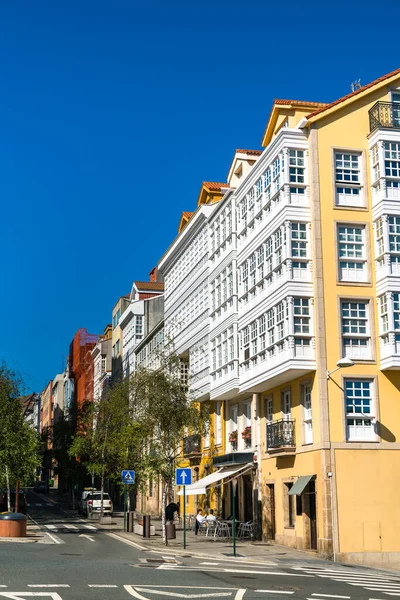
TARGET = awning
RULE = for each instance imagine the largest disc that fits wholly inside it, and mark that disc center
(298, 488)
(199, 487)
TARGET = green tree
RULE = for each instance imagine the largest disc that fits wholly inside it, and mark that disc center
(19, 443)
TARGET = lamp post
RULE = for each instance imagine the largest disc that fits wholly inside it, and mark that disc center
(234, 488)
(342, 363)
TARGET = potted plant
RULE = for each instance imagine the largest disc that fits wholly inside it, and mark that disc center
(233, 436)
(246, 433)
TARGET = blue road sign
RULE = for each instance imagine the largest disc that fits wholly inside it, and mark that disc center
(183, 476)
(128, 477)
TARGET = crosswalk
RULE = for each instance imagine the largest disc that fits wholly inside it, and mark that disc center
(368, 580)
(32, 504)
(60, 527)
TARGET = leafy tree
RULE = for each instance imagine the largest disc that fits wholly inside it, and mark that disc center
(19, 443)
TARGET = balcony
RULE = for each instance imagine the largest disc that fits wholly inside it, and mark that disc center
(384, 115)
(191, 445)
(281, 436)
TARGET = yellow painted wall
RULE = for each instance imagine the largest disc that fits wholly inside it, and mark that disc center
(368, 489)
(348, 129)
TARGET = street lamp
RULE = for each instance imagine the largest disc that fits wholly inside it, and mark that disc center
(343, 363)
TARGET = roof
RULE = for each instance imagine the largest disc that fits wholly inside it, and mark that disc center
(251, 152)
(157, 286)
(216, 186)
(299, 102)
(187, 215)
(356, 92)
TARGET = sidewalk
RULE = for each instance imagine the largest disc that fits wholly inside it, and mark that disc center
(206, 548)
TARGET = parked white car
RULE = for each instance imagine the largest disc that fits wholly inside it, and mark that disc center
(82, 502)
(93, 504)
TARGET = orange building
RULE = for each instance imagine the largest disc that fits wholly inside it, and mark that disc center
(81, 365)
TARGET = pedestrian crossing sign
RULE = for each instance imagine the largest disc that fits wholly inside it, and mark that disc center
(128, 477)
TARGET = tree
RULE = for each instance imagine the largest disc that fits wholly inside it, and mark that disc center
(19, 443)
(161, 406)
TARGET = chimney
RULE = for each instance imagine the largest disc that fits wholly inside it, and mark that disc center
(153, 274)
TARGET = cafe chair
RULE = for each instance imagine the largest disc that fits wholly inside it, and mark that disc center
(222, 530)
(246, 530)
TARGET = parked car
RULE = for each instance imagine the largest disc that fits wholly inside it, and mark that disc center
(82, 502)
(42, 487)
(21, 502)
(93, 504)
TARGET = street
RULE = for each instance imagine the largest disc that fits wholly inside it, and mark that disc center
(79, 561)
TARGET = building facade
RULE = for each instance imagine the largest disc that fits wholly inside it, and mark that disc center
(289, 267)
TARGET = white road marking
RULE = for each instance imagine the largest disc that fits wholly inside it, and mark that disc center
(22, 595)
(48, 585)
(275, 592)
(125, 541)
(183, 568)
(155, 589)
(55, 539)
(51, 527)
(68, 526)
(210, 564)
(98, 585)
(332, 596)
(90, 527)
(86, 536)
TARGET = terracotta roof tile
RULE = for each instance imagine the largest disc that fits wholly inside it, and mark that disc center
(359, 91)
(300, 102)
(156, 286)
(187, 214)
(251, 152)
(213, 185)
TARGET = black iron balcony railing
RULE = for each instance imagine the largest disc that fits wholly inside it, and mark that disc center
(384, 115)
(280, 434)
(191, 444)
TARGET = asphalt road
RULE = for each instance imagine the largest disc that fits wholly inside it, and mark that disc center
(79, 562)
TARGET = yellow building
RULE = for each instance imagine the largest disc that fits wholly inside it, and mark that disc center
(298, 342)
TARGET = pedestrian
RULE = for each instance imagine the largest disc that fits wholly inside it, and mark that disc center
(211, 518)
(199, 520)
(170, 511)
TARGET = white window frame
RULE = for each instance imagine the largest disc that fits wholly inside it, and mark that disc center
(356, 328)
(286, 401)
(352, 254)
(218, 423)
(356, 422)
(306, 401)
(348, 165)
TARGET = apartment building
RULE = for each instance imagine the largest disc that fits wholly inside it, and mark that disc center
(282, 291)
(101, 355)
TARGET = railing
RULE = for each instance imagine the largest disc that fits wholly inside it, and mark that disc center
(191, 444)
(384, 114)
(280, 434)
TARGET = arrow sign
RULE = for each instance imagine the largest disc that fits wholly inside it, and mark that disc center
(128, 477)
(183, 476)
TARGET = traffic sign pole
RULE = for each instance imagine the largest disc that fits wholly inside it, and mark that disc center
(124, 507)
(184, 516)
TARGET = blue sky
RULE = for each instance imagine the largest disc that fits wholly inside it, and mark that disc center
(111, 115)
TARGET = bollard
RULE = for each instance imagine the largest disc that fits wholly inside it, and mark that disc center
(170, 531)
(146, 526)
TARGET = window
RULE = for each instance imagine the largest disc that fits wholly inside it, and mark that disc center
(286, 404)
(392, 159)
(296, 166)
(301, 315)
(207, 427)
(307, 413)
(375, 163)
(383, 313)
(116, 318)
(233, 424)
(139, 326)
(290, 512)
(218, 423)
(246, 343)
(150, 488)
(269, 410)
(299, 240)
(389, 315)
(253, 337)
(347, 179)
(352, 256)
(359, 410)
(355, 329)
